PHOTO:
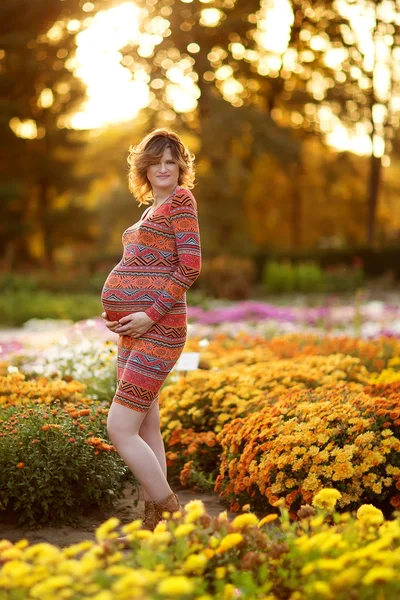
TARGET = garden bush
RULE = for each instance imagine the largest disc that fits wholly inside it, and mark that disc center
(300, 442)
(17, 307)
(308, 276)
(196, 407)
(322, 555)
(227, 277)
(55, 461)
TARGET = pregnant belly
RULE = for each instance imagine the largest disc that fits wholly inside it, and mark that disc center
(123, 295)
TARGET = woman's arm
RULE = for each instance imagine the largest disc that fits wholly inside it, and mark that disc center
(184, 221)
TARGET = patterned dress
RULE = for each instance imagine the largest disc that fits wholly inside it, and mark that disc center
(161, 260)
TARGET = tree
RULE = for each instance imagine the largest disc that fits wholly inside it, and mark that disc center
(37, 92)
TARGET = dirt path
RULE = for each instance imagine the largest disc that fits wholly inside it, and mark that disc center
(66, 535)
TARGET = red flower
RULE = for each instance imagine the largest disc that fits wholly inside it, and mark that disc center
(72, 440)
(20, 465)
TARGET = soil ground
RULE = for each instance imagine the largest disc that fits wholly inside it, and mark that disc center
(65, 535)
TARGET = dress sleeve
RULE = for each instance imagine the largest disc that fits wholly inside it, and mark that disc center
(185, 225)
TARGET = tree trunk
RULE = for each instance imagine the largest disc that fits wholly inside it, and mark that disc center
(44, 224)
(296, 172)
(373, 192)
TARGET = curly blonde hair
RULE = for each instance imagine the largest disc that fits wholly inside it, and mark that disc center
(148, 152)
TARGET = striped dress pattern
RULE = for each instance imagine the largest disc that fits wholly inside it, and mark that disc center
(161, 260)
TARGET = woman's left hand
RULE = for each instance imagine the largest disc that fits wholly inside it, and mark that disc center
(134, 325)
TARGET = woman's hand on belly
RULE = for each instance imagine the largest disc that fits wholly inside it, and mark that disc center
(134, 325)
(110, 324)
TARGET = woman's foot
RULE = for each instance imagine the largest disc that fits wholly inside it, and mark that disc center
(170, 504)
(149, 520)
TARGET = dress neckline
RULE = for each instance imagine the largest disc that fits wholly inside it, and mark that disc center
(163, 202)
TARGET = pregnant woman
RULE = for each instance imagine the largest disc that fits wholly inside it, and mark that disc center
(144, 301)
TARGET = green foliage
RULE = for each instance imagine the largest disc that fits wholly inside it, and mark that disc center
(18, 307)
(285, 277)
(60, 476)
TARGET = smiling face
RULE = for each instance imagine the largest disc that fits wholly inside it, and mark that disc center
(164, 174)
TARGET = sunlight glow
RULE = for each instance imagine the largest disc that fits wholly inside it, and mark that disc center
(24, 129)
(114, 95)
(118, 87)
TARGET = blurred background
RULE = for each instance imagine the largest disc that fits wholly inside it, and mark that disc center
(291, 107)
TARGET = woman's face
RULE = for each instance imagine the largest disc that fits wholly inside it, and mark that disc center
(165, 173)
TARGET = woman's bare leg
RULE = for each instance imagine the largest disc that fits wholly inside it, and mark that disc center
(150, 432)
(123, 426)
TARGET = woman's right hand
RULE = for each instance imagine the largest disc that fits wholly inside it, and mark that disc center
(110, 324)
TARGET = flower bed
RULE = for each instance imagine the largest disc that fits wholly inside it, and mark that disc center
(243, 384)
(301, 442)
(190, 556)
(55, 459)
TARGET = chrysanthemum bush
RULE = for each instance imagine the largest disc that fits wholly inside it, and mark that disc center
(257, 423)
(55, 460)
(223, 351)
(196, 408)
(322, 555)
(303, 441)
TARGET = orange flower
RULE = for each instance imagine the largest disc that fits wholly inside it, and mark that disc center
(45, 427)
(20, 465)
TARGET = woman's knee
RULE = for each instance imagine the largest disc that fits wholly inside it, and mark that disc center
(151, 422)
(123, 421)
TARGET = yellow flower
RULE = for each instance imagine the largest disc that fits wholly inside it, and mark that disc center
(229, 591)
(44, 553)
(321, 588)
(50, 585)
(132, 526)
(158, 539)
(346, 579)
(370, 515)
(12, 554)
(17, 570)
(379, 574)
(326, 498)
(184, 529)
(195, 563)
(75, 549)
(194, 515)
(105, 530)
(267, 519)
(229, 541)
(195, 505)
(213, 542)
(118, 570)
(143, 534)
(243, 521)
(176, 585)
(223, 516)
(220, 572)
(104, 595)
(308, 569)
